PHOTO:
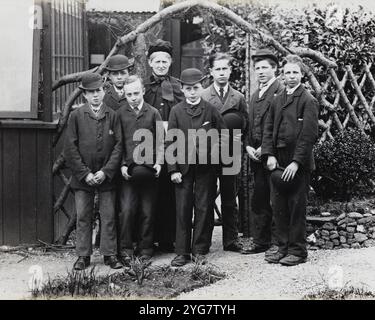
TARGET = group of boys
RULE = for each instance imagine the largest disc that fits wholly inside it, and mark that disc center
(172, 204)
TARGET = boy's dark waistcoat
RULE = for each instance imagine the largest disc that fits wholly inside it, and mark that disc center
(259, 108)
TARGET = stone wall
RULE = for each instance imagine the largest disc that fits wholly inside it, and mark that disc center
(348, 230)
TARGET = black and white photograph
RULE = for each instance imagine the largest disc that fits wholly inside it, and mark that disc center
(211, 151)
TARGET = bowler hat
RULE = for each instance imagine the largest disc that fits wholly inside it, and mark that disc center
(141, 172)
(233, 119)
(160, 45)
(118, 62)
(91, 81)
(265, 53)
(191, 76)
(282, 185)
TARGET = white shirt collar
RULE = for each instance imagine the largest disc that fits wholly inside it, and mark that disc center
(217, 88)
(193, 103)
(139, 107)
(120, 92)
(291, 91)
(96, 109)
(266, 86)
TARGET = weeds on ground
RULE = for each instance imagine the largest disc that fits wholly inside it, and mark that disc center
(346, 293)
(162, 282)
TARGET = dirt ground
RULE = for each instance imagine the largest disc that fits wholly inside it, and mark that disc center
(248, 276)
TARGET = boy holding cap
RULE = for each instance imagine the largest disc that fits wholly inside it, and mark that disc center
(163, 92)
(290, 132)
(139, 184)
(195, 180)
(93, 149)
(118, 70)
(265, 66)
(227, 100)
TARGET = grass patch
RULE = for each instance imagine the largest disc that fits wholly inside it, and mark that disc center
(346, 293)
(141, 280)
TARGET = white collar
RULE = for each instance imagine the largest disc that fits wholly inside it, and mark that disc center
(266, 86)
(193, 103)
(217, 88)
(139, 107)
(96, 109)
(119, 91)
(291, 91)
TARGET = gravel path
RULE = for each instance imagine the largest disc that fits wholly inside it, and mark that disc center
(248, 276)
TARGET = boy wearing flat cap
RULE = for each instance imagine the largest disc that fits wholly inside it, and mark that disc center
(290, 131)
(93, 149)
(265, 66)
(138, 191)
(118, 70)
(227, 100)
(163, 92)
(194, 179)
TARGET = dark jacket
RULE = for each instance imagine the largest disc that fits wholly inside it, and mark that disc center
(258, 112)
(112, 99)
(292, 123)
(235, 100)
(153, 95)
(93, 144)
(147, 118)
(206, 117)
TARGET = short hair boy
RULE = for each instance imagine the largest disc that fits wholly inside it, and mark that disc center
(118, 70)
(93, 149)
(138, 196)
(227, 100)
(265, 67)
(195, 184)
(290, 132)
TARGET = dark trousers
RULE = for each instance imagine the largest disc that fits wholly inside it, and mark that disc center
(165, 224)
(196, 192)
(228, 194)
(137, 202)
(264, 227)
(289, 211)
(85, 214)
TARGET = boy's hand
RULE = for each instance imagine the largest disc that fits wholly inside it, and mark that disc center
(290, 171)
(157, 167)
(124, 172)
(176, 177)
(90, 179)
(252, 154)
(271, 163)
(99, 177)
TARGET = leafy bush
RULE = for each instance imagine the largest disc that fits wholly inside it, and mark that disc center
(345, 166)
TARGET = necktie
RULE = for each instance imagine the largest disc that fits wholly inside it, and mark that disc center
(221, 91)
(136, 110)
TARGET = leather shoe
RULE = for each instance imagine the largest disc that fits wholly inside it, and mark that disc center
(275, 258)
(180, 260)
(274, 248)
(236, 247)
(112, 262)
(125, 260)
(81, 263)
(145, 258)
(199, 258)
(256, 248)
(292, 260)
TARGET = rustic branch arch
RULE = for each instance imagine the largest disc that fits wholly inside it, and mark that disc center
(229, 15)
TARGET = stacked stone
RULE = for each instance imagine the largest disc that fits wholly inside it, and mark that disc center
(348, 230)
